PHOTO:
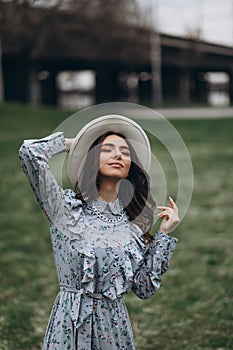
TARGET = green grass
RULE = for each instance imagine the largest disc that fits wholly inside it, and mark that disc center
(192, 310)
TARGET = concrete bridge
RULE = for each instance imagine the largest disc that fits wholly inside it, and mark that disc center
(184, 64)
(134, 65)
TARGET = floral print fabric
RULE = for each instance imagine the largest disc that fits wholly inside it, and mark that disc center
(97, 262)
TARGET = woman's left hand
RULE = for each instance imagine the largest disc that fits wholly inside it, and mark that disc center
(68, 142)
(170, 217)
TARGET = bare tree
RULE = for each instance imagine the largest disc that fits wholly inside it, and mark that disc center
(88, 28)
(125, 11)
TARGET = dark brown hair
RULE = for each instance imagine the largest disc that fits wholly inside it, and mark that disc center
(134, 193)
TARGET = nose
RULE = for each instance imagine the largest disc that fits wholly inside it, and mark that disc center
(117, 154)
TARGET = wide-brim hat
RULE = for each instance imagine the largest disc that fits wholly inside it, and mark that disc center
(132, 131)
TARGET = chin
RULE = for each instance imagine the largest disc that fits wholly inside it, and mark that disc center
(113, 175)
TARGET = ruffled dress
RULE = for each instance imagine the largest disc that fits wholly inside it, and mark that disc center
(97, 260)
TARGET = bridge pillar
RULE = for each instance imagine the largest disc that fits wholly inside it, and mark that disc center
(177, 85)
(34, 88)
(48, 87)
(107, 87)
(15, 75)
(231, 87)
(184, 87)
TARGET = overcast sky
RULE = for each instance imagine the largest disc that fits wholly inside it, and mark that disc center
(213, 17)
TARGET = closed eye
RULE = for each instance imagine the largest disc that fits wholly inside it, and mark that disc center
(106, 150)
(127, 154)
(109, 147)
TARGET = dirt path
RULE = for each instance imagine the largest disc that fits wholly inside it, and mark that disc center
(196, 112)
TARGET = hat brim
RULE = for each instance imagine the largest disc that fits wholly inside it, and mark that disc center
(91, 131)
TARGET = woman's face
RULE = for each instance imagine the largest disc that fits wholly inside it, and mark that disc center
(114, 159)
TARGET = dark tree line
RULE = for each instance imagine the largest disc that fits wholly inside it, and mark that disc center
(83, 29)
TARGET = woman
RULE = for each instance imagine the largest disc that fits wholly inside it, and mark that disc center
(100, 232)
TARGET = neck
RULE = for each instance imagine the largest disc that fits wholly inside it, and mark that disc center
(108, 189)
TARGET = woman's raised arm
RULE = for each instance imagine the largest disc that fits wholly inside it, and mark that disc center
(34, 155)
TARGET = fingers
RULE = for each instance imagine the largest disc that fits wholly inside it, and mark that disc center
(69, 142)
(167, 213)
(172, 205)
(161, 207)
(169, 216)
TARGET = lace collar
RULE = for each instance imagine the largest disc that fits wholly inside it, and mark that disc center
(114, 207)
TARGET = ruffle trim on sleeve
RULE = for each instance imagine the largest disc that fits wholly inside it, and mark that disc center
(161, 251)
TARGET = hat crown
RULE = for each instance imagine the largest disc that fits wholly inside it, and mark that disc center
(99, 126)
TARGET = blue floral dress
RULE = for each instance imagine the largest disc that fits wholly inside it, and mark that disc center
(97, 261)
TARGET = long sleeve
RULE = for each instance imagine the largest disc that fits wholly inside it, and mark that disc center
(34, 155)
(147, 278)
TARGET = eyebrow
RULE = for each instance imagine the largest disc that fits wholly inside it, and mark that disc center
(112, 145)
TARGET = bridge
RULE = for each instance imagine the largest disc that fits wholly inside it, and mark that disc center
(184, 64)
(134, 64)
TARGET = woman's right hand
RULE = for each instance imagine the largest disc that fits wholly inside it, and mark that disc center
(68, 143)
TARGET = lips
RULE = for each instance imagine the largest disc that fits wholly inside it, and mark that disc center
(116, 164)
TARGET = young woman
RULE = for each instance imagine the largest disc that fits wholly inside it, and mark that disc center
(100, 232)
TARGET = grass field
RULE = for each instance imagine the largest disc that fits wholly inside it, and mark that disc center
(192, 310)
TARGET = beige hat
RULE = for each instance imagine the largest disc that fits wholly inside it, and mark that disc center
(91, 131)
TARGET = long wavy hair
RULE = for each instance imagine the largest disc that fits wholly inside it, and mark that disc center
(134, 193)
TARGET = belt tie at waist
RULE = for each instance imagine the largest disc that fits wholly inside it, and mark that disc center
(83, 304)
